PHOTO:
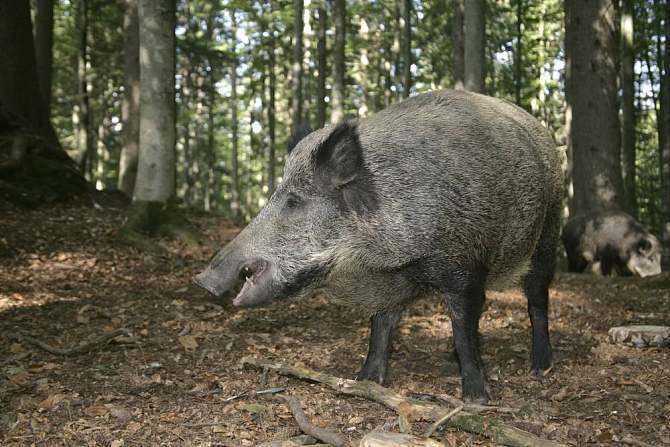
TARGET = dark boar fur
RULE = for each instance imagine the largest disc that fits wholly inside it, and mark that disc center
(611, 241)
(444, 194)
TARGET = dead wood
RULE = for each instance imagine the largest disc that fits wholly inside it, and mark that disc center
(388, 439)
(411, 409)
(310, 429)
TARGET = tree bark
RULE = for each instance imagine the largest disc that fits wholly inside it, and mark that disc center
(592, 114)
(130, 105)
(458, 38)
(628, 107)
(20, 93)
(235, 207)
(272, 106)
(665, 154)
(83, 121)
(155, 184)
(44, 28)
(474, 45)
(296, 103)
(407, 48)
(322, 61)
(339, 67)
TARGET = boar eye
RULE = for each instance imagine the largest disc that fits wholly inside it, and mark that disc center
(293, 201)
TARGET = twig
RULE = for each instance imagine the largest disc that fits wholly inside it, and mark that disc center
(628, 439)
(310, 429)
(81, 348)
(254, 393)
(413, 409)
(441, 421)
(472, 408)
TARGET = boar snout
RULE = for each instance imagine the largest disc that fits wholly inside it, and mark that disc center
(211, 282)
(257, 275)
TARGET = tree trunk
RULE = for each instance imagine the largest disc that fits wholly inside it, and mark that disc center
(474, 45)
(322, 61)
(518, 56)
(235, 173)
(44, 29)
(155, 184)
(592, 114)
(364, 62)
(20, 93)
(130, 105)
(339, 67)
(628, 107)
(296, 103)
(272, 106)
(397, 51)
(665, 154)
(458, 39)
(84, 132)
(407, 48)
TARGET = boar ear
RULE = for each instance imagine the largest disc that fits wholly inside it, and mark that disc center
(339, 169)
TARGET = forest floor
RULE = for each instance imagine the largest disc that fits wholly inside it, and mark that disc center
(65, 278)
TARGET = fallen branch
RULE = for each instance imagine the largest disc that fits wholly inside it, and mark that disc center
(441, 421)
(79, 349)
(472, 408)
(412, 409)
(628, 439)
(254, 393)
(310, 429)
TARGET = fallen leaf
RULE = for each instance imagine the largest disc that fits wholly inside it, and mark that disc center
(96, 410)
(52, 401)
(188, 342)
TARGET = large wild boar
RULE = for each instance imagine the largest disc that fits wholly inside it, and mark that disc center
(444, 194)
(611, 241)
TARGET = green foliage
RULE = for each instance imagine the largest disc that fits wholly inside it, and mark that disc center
(206, 49)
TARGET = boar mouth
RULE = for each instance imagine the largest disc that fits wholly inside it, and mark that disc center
(257, 288)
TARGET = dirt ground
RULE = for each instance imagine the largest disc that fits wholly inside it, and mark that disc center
(64, 279)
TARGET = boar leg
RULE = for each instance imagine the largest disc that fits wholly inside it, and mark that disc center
(465, 300)
(536, 288)
(382, 329)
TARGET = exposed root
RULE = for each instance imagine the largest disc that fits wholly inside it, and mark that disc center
(79, 349)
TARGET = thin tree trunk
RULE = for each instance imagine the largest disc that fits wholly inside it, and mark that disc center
(665, 153)
(322, 61)
(518, 59)
(44, 28)
(474, 45)
(458, 39)
(84, 132)
(272, 107)
(339, 67)
(130, 105)
(397, 50)
(364, 63)
(628, 107)
(235, 193)
(296, 103)
(155, 184)
(594, 138)
(407, 48)
(388, 52)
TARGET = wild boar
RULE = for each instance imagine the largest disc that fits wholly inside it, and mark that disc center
(444, 194)
(605, 242)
